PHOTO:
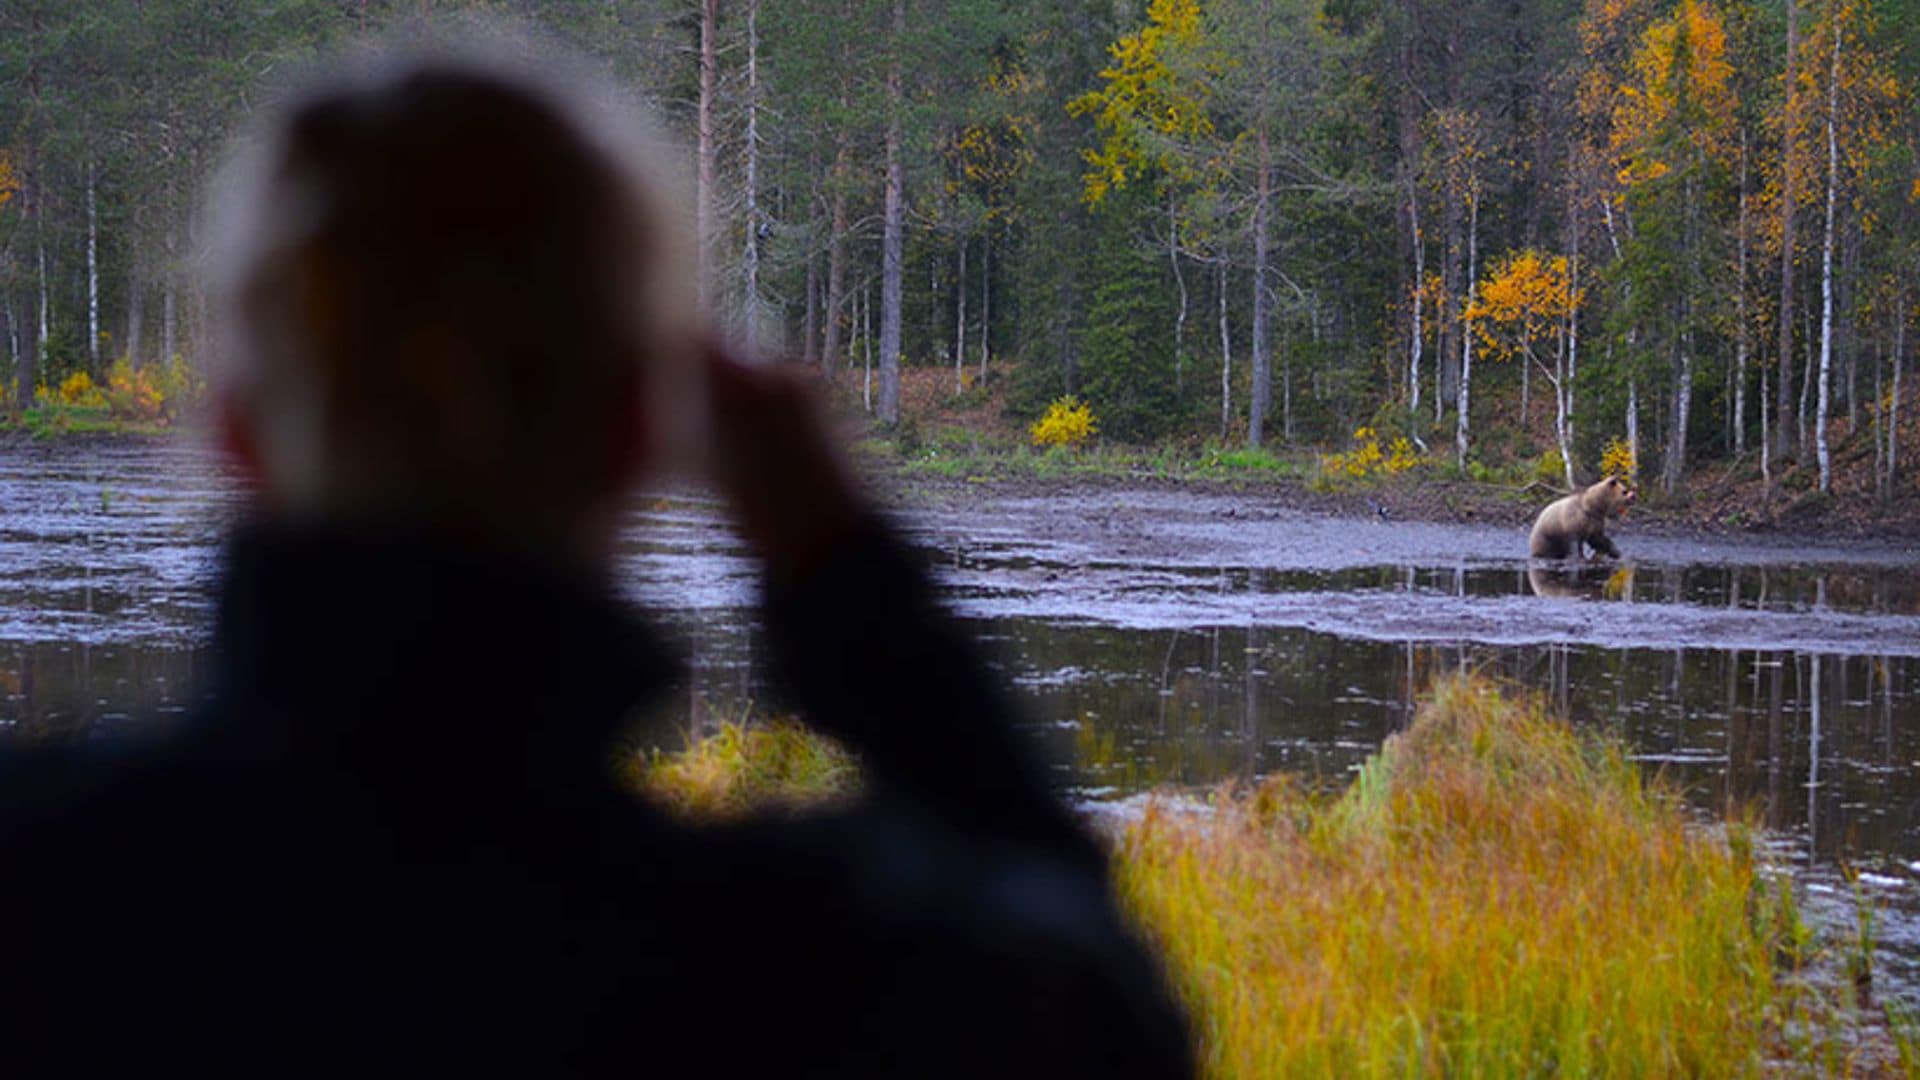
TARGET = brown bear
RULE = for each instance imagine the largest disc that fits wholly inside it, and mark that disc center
(1581, 518)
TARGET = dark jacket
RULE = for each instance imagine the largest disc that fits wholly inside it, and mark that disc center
(395, 839)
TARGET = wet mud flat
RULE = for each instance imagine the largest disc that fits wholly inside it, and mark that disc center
(1159, 636)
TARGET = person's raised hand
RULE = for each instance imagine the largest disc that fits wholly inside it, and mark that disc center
(789, 488)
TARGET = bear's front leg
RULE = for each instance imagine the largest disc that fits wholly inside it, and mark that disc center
(1601, 545)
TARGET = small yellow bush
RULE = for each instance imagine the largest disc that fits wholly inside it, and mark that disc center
(1068, 422)
(154, 393)
(1617, 460)
(135, 393)
(1367, 459)
(75, 391)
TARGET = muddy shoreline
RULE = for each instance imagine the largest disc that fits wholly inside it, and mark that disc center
(1424, 502)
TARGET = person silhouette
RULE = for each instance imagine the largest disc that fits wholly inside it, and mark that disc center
(455, 331)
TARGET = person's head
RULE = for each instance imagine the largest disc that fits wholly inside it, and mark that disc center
(447, 282)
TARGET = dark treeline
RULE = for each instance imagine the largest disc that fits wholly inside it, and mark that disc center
(1502, 228)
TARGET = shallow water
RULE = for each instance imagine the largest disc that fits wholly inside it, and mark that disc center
(1161, 637)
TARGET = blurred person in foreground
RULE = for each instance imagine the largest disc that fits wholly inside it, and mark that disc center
(396, 837)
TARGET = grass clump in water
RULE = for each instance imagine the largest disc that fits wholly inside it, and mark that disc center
(746, 767)
(1495, 895)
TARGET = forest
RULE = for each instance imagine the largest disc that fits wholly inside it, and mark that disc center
(1640, 233)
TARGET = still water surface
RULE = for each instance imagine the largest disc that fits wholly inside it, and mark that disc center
(1157, 638)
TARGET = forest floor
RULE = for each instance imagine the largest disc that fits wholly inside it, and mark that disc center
(960, 441)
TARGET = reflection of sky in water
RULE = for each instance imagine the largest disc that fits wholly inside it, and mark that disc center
(1163, 638)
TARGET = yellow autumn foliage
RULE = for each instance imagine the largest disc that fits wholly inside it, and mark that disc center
(75, 391)
(1681, 77)
(1617, 460)
(1524, 295)
(1068, 422)
(1368, 459)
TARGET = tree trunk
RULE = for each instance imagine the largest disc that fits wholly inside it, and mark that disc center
(1419, 299)
(1826, 266)
(960, 320)
(810, 319)
(1526, 399)
(1262, 390)
(1461, 429)
(1633, 420)
(1742, 332)
(1446, 372)
(1766, 438)
(136, 315)
(893, 237)
(1180, 281)
(170, 300)
(866, 338)
(1226, 356)
(13, 335)
(1573, 350)
(832, 350)
(750, 258)
(93, 275)
(1783, 412)
(1876, 411)
(1807, 378)
(1893, 395)
(986, 299)
(706, 149)
(1682, 407)
(46, 307)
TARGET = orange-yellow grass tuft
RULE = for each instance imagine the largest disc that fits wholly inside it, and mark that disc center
(742, 768)
(1495, 895)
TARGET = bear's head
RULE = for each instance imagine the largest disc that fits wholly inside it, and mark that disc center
(1609, 498)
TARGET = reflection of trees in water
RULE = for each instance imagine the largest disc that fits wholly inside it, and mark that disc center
(1736, 728)
(68, 690)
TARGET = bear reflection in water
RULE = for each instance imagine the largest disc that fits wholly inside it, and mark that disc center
(1580, 581)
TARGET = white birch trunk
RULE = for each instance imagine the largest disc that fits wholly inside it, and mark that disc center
(1826, 270)
(1419, 299)
(1682, 408)
(1226, 356)
(1461, 429)
(1893, 396)
(13, 340)
(93, 275)
(1633, 420)
(1573, 356)
(46, 330)
(1180, 281)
